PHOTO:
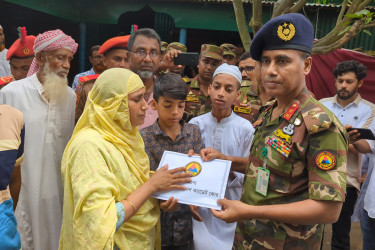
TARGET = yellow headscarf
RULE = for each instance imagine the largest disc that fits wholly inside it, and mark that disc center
(106, 116)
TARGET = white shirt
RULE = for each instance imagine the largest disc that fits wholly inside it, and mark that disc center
(360, 114)
(4, 64)
(231, 136)
(48, 128)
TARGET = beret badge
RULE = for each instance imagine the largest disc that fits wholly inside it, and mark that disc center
(286, 31)
(26, 51)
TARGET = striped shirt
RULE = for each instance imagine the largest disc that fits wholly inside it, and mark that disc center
(360, 114)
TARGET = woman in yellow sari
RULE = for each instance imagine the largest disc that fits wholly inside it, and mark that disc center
(106, 172)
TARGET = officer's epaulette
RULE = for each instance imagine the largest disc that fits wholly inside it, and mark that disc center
(316, 117)
(6, 79)
(84, 79)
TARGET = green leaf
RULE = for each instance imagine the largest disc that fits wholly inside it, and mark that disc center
(367, 32)
(368, 20)
(345, 30)
(352, 15)
(363, 12)
(344, 24)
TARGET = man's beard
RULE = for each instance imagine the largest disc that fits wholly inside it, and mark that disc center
(145, 74)
(55, 86)
(348, 96)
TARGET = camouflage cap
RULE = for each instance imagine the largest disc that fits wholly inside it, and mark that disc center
(212, 51)
(178, 46)
(163, 46)
(229, 49)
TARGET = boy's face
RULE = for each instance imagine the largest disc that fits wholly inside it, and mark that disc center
(170, 110)
(224, 91)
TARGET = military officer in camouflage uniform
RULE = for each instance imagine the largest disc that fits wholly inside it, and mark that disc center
(253, 94)
(295, 181)
(179, 47)
(198, 101)
(163, 49)
(229, 53)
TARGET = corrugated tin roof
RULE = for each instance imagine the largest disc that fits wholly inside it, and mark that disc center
(328, 3)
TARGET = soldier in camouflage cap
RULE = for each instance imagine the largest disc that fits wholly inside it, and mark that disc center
(253, 94)
(163, 48)
(198, 101)
(180, 47)
(296, 177)
(229, 53)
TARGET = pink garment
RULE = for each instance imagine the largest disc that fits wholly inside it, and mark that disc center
(151, 115)
(51, 40)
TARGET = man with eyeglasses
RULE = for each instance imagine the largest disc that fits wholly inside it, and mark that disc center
(198, 101)
(145, 54)
(253, 94)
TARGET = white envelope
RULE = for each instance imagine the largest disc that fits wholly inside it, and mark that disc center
(205, 188)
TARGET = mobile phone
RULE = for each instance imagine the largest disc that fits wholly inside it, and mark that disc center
(365, 133)
(187, 58)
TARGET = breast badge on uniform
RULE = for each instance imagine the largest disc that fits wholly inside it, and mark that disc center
(191, 97)
(194, 168)
(243, 110)
(325, 160)
(279, 133)
(286, 31)
(279, 146)
(289, 130)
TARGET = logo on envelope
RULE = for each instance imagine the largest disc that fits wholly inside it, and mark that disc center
(194, 168)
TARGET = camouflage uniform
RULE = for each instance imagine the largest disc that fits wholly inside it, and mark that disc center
(294, 178)
(85, 84)
(196, 102)
(250, 103)
(178, 46)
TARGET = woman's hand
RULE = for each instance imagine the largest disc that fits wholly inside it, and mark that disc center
(170, 205)
(164, 179)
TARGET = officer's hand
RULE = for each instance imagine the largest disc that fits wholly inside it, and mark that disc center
(209, 154)
(231, 210)
(168, 60)
(169, 205)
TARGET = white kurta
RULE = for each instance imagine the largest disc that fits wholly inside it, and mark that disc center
(48, 128)
(4, 64)
(232, 137)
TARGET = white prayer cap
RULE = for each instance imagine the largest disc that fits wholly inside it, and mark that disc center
(230, 70)
(1, 27)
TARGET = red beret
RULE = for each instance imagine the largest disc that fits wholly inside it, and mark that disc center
(115, 42)
(21, 49)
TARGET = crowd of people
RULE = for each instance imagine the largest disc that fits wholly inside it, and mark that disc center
(79, 164)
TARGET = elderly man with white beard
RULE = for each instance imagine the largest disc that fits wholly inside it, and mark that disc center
(48, 106)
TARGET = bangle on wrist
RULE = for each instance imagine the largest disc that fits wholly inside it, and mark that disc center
(131, 204)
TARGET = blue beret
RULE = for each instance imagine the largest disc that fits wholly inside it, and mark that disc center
(289, 31)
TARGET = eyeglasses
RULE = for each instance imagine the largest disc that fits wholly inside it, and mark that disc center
(142, 53)
(247, 69)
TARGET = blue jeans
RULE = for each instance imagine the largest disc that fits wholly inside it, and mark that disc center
(368, 231)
